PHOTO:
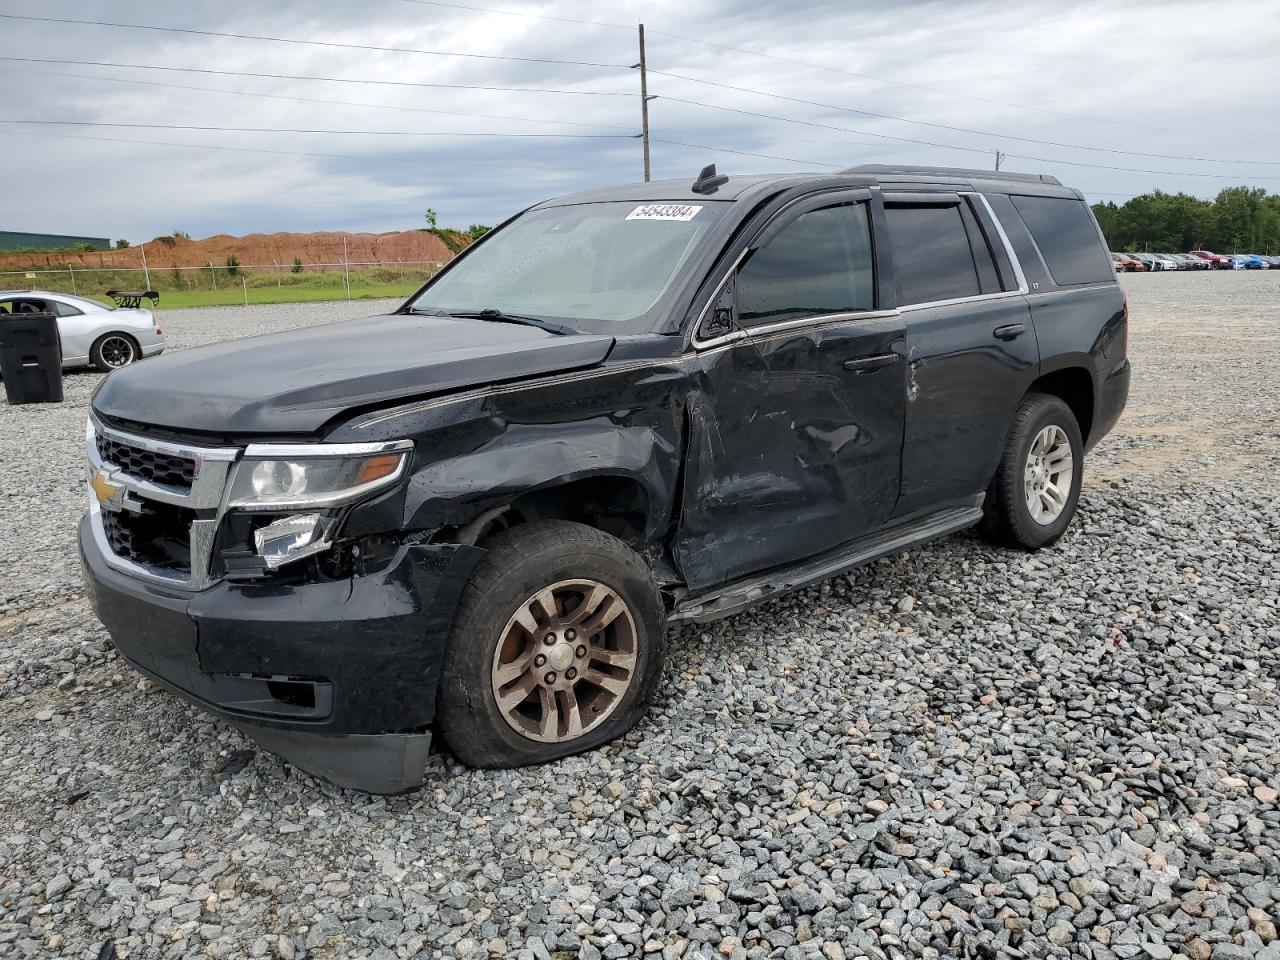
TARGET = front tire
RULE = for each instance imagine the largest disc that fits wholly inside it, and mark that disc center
(557, 647)
(1032, 498)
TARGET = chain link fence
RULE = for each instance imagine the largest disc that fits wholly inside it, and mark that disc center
(234, 283)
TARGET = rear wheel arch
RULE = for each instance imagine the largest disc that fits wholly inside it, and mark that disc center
(1041, 464)
(106, 363)
(1074, 386)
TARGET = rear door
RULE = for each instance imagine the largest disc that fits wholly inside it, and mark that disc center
(1077, 305)
(971, 347)
(796, 425)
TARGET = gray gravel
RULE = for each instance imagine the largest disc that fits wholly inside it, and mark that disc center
(962, 752)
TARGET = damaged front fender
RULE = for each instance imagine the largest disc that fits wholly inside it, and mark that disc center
(622, 424)
(528, 458)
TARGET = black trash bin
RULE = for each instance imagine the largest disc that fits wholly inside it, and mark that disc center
(31, 358)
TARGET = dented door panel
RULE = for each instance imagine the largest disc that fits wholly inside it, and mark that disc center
(790, 453)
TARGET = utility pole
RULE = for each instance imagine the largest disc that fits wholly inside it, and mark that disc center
(644, 105)
(999, 159)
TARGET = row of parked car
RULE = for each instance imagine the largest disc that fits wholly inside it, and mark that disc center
(1195, 260)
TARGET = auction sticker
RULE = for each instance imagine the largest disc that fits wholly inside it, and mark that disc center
(664, 211)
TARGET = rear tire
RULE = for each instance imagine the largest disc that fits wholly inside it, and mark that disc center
(111, 351)
(1033, 495)
(518, 680)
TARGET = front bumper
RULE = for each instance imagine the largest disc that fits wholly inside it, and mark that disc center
(337, 677)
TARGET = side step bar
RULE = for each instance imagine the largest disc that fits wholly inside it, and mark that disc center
(747, 593)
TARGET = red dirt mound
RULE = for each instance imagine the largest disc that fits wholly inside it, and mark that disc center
(253, 250)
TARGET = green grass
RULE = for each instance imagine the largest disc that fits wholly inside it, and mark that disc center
(235, 296)
(196, 288)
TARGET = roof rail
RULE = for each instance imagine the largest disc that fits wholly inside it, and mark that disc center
(883, 168)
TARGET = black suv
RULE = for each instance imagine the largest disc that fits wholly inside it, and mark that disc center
(620, 410)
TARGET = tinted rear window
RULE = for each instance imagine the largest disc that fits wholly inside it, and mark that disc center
(931, 254)
(1067, 238)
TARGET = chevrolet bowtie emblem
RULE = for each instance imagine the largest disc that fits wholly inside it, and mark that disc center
(110, 496)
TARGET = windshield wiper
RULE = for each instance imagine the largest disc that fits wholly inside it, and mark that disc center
(500, 316)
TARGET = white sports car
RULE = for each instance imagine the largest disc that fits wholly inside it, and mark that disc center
(91, 332)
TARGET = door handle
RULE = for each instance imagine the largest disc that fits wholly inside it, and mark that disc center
(1010, 331)
(867, 364)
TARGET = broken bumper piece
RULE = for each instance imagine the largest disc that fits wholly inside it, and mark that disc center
(337, 677)
(374, 763)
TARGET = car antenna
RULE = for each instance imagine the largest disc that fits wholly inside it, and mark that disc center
(707, 181)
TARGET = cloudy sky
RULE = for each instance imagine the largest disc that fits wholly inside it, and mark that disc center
(1179, 90)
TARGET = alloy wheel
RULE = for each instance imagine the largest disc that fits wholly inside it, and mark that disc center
(1047, 474)
(117, 351)
(565, 660)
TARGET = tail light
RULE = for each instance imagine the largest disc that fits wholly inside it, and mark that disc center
(1124, 318)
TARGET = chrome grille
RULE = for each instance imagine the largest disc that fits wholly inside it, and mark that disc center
(154, 506)
(161, 468)
(158, 536)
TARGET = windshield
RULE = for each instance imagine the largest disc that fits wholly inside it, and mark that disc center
(602, 267)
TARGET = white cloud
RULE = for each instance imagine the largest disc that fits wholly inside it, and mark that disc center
(1204, 73)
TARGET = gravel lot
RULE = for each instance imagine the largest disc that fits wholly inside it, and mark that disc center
(961, 752)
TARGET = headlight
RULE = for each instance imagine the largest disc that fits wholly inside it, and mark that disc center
(292, 538)
(275, 476)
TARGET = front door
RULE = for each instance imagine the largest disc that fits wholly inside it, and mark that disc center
(796, 430)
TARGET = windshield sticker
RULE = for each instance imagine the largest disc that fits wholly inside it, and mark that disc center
(664, 211)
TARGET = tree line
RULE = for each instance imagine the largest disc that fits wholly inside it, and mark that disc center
(1237, 220)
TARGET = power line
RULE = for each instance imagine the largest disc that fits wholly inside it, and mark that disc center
(1158, 173)
(754, 114)
(950, 93)
(314, 43)
(371, 133)
(319, 100)
(417, 160)
(575, 136)
(688, 102)
(820, 66)
(953, 146)
(291, 76)
(867, 113)
(952, 127)
(825, 126)
(695, 103)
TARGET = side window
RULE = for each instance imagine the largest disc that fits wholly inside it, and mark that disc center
(64, 309)
(1063, 229)
(931, 254)
(819, 263)
(983, 257)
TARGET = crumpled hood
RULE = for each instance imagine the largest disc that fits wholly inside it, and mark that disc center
(298, 380)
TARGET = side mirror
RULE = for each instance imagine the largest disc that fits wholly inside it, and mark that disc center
(721, 319)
